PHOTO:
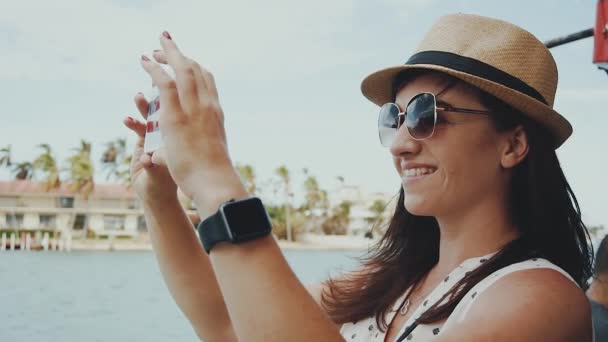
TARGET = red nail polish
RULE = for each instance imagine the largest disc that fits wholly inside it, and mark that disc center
(166, 35)
(143, 57)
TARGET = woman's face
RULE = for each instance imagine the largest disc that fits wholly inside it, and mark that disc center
(462, 159)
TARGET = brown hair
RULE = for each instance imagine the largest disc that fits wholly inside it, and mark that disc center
(541, 205)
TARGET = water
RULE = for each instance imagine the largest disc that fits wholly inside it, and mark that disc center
(109, 296)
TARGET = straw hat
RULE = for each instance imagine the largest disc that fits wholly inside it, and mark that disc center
(495, 56)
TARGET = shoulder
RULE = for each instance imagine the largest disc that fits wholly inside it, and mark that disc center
(528, 305)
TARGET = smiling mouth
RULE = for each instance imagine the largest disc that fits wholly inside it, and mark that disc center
(418, 172)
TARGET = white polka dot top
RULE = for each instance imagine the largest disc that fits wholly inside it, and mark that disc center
(367, 330)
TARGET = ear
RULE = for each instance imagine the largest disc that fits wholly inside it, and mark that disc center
(515, 147)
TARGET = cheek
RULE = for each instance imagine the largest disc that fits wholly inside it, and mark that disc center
(468, 167)
(396, 165)
(472, 169)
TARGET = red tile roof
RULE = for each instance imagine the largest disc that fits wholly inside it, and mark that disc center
(103, 191)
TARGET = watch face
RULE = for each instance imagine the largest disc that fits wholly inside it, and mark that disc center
(247, 219)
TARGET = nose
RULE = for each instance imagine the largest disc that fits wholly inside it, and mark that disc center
(404, 143)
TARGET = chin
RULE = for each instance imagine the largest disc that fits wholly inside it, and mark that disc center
(418, 207)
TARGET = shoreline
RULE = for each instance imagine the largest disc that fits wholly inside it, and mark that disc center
(306, 242)
(139, 246)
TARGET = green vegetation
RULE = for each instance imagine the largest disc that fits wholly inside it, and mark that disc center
(17, 232)
(77, 174)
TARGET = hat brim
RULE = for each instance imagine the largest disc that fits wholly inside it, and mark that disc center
(377, 87)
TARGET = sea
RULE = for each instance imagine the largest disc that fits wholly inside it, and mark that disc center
(111, 296)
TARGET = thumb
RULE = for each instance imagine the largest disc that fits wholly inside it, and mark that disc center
(158, 157)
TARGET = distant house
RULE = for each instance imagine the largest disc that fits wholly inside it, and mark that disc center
(111, 209)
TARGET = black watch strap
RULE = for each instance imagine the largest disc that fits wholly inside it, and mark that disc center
(213, 230)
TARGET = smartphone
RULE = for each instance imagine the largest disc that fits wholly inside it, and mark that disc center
(153, 140)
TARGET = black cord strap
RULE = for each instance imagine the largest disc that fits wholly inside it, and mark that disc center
(408, 331)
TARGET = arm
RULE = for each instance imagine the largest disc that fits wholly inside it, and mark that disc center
(549, 307)
(265, 299)
(183, 263)
(187, 271)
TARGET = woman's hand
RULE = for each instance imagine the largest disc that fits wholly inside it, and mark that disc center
(191, 124)
(151, 181)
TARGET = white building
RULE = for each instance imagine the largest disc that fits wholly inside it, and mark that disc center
(111, 209)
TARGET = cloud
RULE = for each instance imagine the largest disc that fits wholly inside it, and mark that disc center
(101, 40)
(84, 40)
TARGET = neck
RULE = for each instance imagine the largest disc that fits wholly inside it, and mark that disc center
(598, 290)
(481, 230)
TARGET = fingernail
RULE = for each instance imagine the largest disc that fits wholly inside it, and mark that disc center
(166, 35)
(143, 57)
(130, 119)
(156, 50)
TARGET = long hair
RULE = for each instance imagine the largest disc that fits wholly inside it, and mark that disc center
(540, 204)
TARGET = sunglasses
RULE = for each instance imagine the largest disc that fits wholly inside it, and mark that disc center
(420, 117)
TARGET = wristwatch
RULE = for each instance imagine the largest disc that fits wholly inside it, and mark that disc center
(235, 221)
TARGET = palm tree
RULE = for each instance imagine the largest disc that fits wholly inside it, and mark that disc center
(248, 176)
(377, 208)
(338, 221)
(23, 170)
(324, 201)
(340, 179)
(5, 156)
(81, 170)
(46, 163)
(283, 174)
(116, 161)
(312, 193)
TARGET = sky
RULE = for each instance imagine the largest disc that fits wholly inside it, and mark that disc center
(288, 74)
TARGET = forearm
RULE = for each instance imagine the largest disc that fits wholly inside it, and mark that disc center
(265, 299)
(187, 271)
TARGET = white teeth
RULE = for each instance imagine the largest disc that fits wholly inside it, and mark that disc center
(418, 172)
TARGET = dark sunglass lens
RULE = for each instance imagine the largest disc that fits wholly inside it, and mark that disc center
(420, 116)
(387, 123)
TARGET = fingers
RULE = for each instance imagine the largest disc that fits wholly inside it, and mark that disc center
(210, 81)
(142, 105)
(165, 83)
(136, 126)
(146, 160)
(159, 56)
(152, 159)
(199, 74)
(191, 78)
(139, 128)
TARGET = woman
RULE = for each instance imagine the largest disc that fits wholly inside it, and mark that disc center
(486, 242)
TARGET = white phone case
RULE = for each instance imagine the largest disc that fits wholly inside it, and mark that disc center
(153, 140)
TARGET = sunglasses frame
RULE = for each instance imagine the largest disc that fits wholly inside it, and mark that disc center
(401, 116)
